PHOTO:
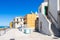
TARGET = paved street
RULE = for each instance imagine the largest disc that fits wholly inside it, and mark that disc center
(17, 35)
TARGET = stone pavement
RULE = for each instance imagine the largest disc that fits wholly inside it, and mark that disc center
(17, 35)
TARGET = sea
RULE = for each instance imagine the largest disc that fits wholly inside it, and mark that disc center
(4, 27)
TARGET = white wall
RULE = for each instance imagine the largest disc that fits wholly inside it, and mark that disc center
(45, 25)
(17, 25)
(21, 22)
(53, 8)
(41, 11)
(59, 4)
(42, 7)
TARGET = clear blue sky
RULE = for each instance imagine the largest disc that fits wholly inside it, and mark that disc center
(12, 8)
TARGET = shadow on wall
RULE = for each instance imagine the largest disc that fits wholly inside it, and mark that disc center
(37, 25)
(55, 30)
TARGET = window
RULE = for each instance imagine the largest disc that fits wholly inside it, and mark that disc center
(21, 19)
(17, 21)
(46, 10)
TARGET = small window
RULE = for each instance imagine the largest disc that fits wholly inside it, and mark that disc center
(17, 21)
(21, 19)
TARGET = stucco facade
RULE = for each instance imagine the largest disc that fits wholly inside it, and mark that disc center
(11, 24)
(53, 12)
(30, 20)
(18, 22)
(44, 23)
(49, 18)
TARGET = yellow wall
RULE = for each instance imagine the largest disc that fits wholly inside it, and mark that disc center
(31, 20)
(11, 24)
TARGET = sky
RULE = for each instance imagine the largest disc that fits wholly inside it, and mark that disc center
(9, 9)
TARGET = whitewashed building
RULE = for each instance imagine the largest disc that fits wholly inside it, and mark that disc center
(18, 22)
(45, 24)
(49, 17)
(54, 15)
(54, 8)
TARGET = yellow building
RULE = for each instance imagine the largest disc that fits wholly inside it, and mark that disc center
(30, 20)
(11, 24)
